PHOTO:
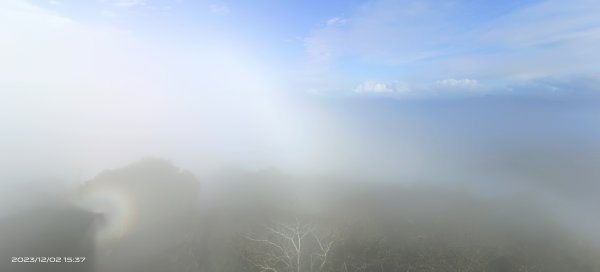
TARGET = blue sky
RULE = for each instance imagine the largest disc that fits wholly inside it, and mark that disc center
(382, 47)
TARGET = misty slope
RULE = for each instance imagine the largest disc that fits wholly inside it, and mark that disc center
(371, 227)
(55, 230)
(160, 220)
(379, 227)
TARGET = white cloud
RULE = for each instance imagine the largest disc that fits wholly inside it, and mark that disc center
(439, 88)
(336, 21)
(55, 2)
(372, 87)
(464, 84)
(375, 87)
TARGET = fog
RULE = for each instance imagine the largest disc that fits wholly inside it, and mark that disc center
(477, 184)
(208, 146)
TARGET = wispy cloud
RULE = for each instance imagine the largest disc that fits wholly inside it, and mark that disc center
(108, 14)
(425, 41)
(128, 3)
(382, 31)
(336, 21)
(219, 9)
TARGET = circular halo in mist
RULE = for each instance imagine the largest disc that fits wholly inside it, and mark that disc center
(115, 210)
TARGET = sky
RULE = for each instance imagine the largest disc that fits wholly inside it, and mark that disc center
(390, 48)
(388, 86)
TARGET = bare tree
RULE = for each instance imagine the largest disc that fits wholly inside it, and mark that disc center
(290, 247)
